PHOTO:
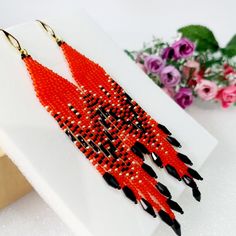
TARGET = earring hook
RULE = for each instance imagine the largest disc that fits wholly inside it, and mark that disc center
(50, 31)
(15, 43)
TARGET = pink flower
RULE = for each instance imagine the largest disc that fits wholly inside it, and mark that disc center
(169, 91)
(191, 69)
(230, 74)
(184, 97)
(206, 89)
(168, 53)
(183, 48)
(199, 78)
(170, 76)
(228, 70)
(154, 64)
(227, 96)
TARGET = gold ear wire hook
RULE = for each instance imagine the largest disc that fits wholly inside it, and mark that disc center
(50, 31)
(15, 43)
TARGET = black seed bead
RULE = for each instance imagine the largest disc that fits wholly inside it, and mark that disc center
(111, 180)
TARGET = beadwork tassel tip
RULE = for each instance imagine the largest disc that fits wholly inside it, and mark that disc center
(175, 206)
(163, 190)
(174, 224)
(111, 180)
(172, 171)
(149, 170)
(156, 159)
(194, 174)
(184, 159)
(173, 141)
(197, 194)
(147, 207)
(176, 227)
(129, 194)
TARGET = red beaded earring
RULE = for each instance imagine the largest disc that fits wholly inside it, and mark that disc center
(121, 113)
(96, 130)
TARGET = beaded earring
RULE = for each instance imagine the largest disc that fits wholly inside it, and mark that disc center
(121, 114)
(81, 114)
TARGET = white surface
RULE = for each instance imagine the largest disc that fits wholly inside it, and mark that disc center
(59, 172)
(31, 216)
(129, 23)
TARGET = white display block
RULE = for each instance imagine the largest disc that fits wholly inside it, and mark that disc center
(50, 161)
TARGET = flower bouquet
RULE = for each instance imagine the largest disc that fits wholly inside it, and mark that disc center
(191, 66)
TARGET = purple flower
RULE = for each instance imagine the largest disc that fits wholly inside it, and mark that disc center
(170, 76)
(183, 48)
(153, 64)
(184, 97)
(168, 53)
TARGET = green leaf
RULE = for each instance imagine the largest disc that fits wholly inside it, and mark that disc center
(148, 50)
(232, 42)
(203, 37)
(230, 49)
(210, 63)
(129, 54)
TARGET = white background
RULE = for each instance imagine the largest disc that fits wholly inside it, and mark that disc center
(130, 23)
